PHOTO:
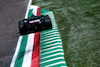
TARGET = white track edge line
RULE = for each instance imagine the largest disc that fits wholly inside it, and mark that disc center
(28, 7)
(16, 52)
(20, 38)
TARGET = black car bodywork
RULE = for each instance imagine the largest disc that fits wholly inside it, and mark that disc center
(34, 24)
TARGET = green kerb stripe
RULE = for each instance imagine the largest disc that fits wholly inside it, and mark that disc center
(51, 51)
(19, 59)
(20, 56)
(30, 12)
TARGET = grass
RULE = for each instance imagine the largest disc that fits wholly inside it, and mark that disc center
(79, 26)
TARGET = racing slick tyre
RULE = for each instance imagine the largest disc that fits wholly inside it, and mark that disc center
(46, 21)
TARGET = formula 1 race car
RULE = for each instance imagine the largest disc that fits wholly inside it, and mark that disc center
(34, 24)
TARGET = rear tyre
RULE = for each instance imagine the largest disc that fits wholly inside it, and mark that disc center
(47, 22)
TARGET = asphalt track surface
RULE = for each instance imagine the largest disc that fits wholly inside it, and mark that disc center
(11, 11)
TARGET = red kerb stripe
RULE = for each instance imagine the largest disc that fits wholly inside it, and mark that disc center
(38, 11)
(36, 46)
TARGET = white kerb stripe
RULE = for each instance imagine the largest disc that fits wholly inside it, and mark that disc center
(52, 55)
(50, 36)
(62, 62)
(52, 60)
(52, 45)
(28, 51)
(50, 31)
(34, 9)
(16, 52)
(50, 39)
(51, 51)
(52, 48)
(54, 27)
